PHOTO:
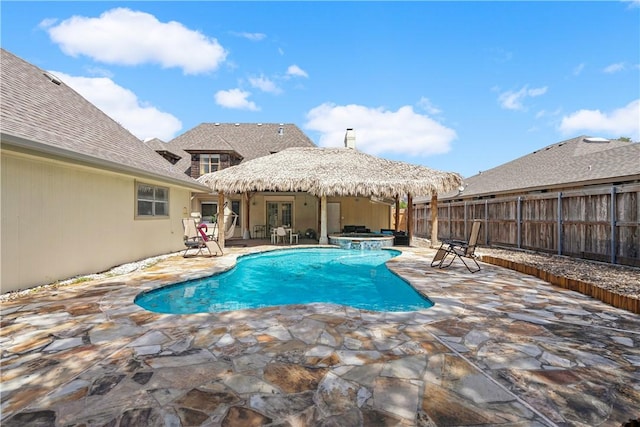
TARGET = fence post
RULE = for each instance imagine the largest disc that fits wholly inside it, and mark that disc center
(559, 222)
(613, 225)
(449, 219)
(486, 222)
(465, 221)
(518, 222)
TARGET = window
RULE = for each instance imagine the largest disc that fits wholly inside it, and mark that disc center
(235, 208)
(209, 163)
(209, 211)
(152, 200)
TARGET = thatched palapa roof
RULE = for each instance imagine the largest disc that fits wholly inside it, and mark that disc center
(330, 172)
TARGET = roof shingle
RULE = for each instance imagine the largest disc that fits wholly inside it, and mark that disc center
(48, 113)
(248, 140)
(574, 161)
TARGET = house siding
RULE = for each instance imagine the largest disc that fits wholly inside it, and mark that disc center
(61, 220)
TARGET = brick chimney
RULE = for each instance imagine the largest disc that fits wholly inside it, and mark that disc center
(350, 138)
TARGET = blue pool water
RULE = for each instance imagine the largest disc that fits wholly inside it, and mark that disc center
(294, 276)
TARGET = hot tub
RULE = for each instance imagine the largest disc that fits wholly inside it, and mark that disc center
(366, 241)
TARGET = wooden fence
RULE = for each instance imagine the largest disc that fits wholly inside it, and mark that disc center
(601, 223)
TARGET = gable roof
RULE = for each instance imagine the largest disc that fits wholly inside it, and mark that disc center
(246, 140)
(575, 162)
(156, 144)
(42, 114)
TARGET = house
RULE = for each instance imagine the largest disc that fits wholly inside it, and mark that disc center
(576, 197)
(575, 163)
(80, 194)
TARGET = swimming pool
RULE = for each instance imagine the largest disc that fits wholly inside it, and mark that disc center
(354, 278)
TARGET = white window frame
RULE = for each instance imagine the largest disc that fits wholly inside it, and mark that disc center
(155, 200)
(207, 162)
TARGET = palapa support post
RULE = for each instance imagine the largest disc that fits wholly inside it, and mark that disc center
(434, 220)
(409, 217)
(324, 240)
(397, 214)
(246, 234)
(221, 225)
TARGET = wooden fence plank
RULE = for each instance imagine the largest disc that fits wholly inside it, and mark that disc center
(584, 230)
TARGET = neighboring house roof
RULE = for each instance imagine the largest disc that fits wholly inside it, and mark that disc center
(247, 140)
(41, 113)
(575, 162)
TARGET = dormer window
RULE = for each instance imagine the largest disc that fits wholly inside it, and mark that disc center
(209, 163)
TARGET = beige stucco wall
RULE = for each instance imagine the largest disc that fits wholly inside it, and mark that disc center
(353, 211)
(305, 215)
(60, 220)
(356, 211)
(362, 211)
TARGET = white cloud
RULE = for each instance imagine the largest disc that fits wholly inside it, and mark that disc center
(380, 131)
(123, 106)
(264, 84)
(126, 37)
(46, 23)
(578, 69)
(428, 106)
(619, 122)
(500, 55)
(254, 37)
(99, 72)
(235, 99)
(614, 68)
(632, 3)
(294, 70)
(544, 113)
(511, 100)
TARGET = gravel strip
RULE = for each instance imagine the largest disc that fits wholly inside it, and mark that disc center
(622, 280)
(115, 271)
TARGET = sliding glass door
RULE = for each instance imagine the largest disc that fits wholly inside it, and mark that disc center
(279, 214)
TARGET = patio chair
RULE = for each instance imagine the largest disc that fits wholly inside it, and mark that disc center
(196, 238)
(459, 249)
(281, 234)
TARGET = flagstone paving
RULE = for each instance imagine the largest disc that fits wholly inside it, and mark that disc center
(499, 348)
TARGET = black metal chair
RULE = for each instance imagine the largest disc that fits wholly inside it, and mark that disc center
(459, 249)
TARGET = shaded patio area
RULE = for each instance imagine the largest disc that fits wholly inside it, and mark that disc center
(498, 348)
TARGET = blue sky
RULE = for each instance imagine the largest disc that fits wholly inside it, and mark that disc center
(456, 86)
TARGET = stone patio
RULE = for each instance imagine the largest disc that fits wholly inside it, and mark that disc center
(499, 348)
